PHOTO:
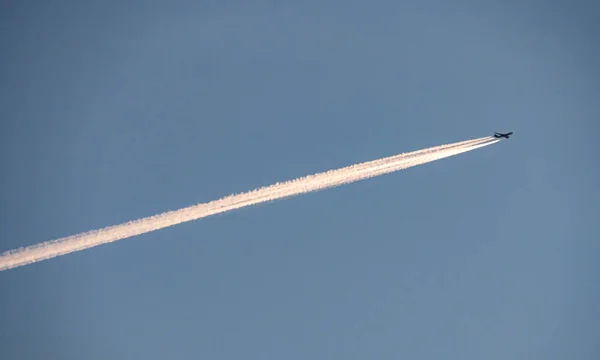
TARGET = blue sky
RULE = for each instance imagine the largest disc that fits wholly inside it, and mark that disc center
(113, 111)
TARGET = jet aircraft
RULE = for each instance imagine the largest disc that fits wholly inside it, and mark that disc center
(500, 135)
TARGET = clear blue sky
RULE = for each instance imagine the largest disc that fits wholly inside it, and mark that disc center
(115, 110)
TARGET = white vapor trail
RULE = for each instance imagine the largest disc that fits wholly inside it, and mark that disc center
(310, 183)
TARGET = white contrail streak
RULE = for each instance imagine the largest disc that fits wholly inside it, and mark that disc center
(320, 181)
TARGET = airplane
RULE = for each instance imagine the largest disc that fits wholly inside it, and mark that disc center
(500, 135)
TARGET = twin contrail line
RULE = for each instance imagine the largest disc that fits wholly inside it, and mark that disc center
(332, 178)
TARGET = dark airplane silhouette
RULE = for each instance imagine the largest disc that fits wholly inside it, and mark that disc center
(500, 135)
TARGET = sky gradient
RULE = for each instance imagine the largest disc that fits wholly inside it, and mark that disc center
(113, 111)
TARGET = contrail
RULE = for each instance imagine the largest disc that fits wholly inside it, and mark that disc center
(310, 183)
